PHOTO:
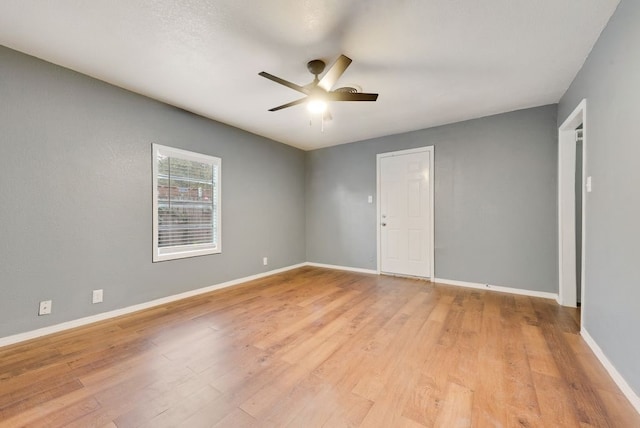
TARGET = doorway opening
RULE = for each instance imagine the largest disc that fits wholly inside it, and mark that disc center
(572, 187)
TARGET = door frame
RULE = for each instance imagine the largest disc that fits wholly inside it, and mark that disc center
(430, 227)
(567, 282)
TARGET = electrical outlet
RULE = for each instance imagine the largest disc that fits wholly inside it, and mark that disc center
(265, 261)
(97, 296)
(45, 307)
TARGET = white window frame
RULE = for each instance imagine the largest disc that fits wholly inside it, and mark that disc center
(192, 250)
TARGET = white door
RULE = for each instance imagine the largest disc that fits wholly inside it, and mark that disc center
(406, 212)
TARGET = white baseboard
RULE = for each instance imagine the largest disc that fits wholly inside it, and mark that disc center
(532, 293)
(347, 268)
(21, 337)
(633, 398)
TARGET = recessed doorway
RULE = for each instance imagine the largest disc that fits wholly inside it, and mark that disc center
(572, 187)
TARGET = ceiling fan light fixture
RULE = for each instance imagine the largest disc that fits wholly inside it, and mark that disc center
(319, 92)
(317, 106)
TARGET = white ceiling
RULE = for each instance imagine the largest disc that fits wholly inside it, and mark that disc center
(432, 61)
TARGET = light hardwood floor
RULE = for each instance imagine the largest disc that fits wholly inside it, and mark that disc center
(315, 347)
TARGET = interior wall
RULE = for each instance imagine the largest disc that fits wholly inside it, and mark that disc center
(495, 199)
(610, 83)
(75, 183)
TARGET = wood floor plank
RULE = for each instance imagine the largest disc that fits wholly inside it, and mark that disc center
(16, 407)
(350, 412)
(329, 303)
(395, 371)
(490, 398)
(556, 404)
(180, 412)
(318, 347)
(70, 414)
(267, 397)
(455, 411)
(518, 382)
(589, 406)
(540, 356)
(237, 418)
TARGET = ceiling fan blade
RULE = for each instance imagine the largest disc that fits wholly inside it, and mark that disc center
(334, 73)
(349, 96)
(291, 104)
(284, 82)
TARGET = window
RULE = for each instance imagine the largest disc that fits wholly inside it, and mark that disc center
(186, 204)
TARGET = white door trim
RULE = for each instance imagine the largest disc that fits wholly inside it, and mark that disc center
(431, 226)
(566, 196)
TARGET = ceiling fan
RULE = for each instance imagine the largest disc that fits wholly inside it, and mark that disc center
(318, 92)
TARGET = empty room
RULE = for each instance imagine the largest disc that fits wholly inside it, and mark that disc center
(319, 214)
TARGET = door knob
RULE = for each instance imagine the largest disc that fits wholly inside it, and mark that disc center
(383, 224)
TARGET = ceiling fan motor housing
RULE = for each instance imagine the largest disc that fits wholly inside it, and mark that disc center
(316, 66)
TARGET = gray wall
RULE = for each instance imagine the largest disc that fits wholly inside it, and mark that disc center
(495, 199)
(610, 82)
(75, 184)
